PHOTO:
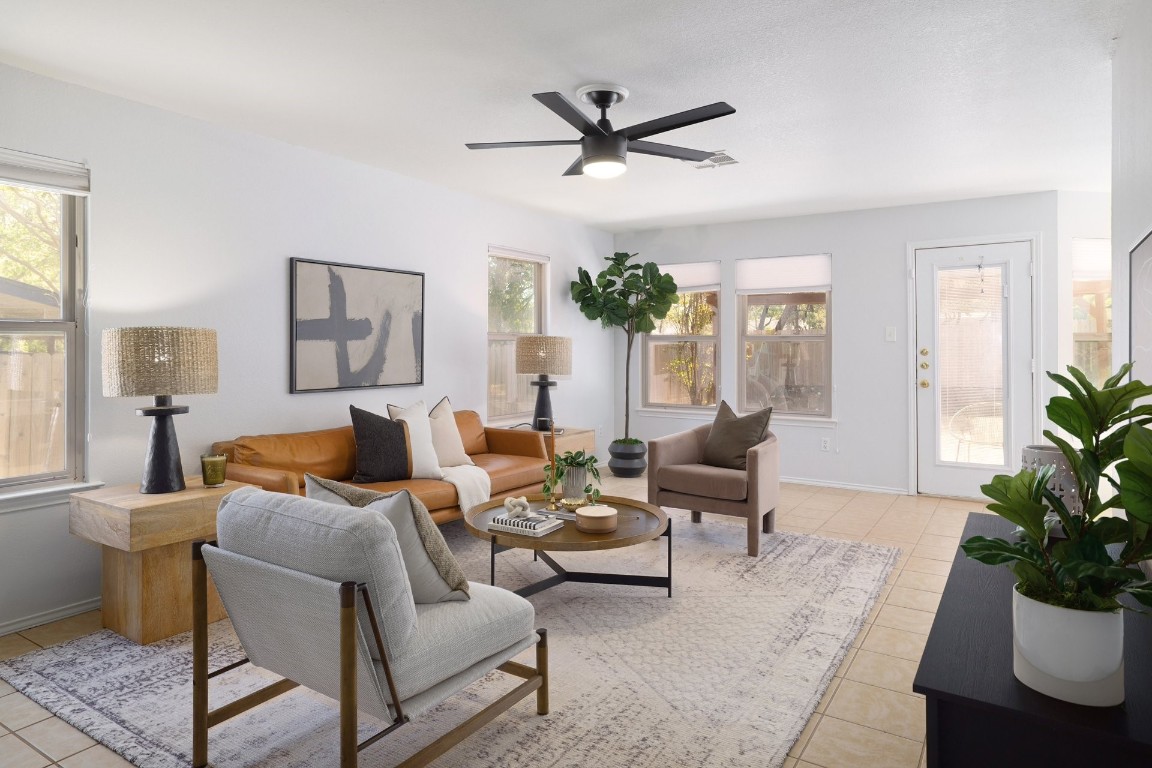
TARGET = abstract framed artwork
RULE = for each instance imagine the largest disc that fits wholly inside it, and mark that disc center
(355, 327)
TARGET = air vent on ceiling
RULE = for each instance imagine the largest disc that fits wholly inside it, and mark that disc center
(719, 158)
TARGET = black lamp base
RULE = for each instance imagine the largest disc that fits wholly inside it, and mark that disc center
(542, 417)
(162, 470)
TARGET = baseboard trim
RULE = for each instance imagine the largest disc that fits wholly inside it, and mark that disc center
(36, 619)
(846, 486)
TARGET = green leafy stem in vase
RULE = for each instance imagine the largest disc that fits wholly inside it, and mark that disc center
(568, 460)
(1110, 448)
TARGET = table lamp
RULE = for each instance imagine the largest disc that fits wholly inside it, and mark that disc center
(160, 363)
(544, 356)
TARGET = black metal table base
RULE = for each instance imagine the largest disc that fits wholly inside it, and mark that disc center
(586, 577)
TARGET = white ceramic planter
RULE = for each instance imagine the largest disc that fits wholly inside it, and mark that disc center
(1075, 656)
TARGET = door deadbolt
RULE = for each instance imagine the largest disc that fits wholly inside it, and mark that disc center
(924, 351)
(924, 365)
(924, 384)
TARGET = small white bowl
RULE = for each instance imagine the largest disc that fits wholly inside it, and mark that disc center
(597, 518)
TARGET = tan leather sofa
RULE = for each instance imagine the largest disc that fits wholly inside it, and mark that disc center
(513, 458)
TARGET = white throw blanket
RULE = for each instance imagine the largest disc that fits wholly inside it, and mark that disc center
(473, 485)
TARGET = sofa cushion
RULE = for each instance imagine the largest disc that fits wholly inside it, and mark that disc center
(450, 637)
(326, 453)
(472, 432)
(433, 572)
(446, 436)
(732, 436)
(381, 448)
(508, 472)
(435, 494)
(704, 480)
(421, 451)
(334, 543)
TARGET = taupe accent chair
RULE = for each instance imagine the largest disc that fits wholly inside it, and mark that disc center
(676, 478)
(318, 594)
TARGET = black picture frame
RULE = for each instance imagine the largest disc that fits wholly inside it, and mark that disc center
(1140, 309)
(354, 327)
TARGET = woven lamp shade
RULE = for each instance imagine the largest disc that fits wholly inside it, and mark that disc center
(549, 355)
(150, 361)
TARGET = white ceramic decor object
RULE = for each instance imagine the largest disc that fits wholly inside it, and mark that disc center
(1074, 656)
(596, 518)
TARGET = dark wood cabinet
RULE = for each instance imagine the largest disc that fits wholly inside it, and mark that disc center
(979, 714)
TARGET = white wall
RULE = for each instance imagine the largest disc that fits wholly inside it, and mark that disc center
(871, 377)
(1131, 159)
(192, 224)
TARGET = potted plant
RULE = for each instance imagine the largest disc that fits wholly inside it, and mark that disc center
(631, 297)
(1067, 619)
(571, 472)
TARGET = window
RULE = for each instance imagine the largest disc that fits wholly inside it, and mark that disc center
(680, 355)
(515, 308)
(786, 345)
(1092, 307)
(41, 384)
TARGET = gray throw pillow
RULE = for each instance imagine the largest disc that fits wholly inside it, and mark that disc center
(433, 573)
(381, 448)
(731, 437)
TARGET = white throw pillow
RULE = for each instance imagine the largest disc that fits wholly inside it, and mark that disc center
(446, 436)
(433, 573)
(424, 461)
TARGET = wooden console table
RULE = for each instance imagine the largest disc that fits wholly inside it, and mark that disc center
(146, 588)
(979, 714)
(574, 439)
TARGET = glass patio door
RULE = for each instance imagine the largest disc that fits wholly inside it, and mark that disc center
(973, 364)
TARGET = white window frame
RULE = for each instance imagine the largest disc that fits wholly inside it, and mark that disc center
(71, 181)
(541, 262)
(783, 276)
(697, 277)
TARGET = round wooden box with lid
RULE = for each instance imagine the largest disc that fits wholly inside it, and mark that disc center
(596, 518)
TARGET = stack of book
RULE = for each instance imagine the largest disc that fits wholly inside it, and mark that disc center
(533, 525)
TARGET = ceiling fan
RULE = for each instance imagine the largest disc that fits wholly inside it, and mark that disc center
(603, 150)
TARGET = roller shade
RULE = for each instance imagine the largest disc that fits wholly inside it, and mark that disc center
(694, 276)
(1091, 258)
(784, 274)
(44, 172)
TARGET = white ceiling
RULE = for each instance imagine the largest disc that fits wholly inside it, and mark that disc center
(840, 104)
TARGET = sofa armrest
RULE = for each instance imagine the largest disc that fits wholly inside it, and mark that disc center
(278, 480)
(516, 442)
(680, 448)
(764, 474)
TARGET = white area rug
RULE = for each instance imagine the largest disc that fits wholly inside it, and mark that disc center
(724, 673)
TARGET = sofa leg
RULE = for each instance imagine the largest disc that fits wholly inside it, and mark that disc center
(770, 521)
(695, 515)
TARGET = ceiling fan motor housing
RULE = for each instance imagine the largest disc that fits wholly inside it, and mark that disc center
(598, 149)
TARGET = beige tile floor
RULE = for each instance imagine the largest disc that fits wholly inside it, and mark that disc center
(868, 718)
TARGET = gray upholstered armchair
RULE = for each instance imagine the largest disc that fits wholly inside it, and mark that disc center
(676, 478)
(320, 595)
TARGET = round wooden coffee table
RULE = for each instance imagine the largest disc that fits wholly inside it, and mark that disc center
(638, 522)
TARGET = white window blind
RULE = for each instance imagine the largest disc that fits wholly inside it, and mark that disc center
(1091, 258)
(43, 172)
(784, 274)
(694, 276)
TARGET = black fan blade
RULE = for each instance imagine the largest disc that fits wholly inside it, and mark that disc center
(576, 169)
(569, 112)
(505, 144)
(678, 120)
(667, 150)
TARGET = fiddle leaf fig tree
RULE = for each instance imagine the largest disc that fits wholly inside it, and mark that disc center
(628, 296)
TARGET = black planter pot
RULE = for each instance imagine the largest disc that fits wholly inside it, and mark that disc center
(627, 459)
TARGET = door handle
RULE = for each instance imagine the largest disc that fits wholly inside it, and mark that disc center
(924, 351)
(924, 384)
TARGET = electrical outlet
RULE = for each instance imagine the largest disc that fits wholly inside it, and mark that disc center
(825, 443)
(599, 430)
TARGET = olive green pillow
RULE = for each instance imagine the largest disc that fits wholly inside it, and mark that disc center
(731, 437)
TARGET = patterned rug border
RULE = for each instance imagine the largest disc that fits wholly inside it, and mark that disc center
(126, 740)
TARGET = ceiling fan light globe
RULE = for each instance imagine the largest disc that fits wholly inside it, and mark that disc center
(607, 168)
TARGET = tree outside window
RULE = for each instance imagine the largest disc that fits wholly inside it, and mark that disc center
(680, 354)
(515, 308)
(785, 365)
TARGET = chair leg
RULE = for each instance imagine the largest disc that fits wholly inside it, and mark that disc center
(542, 668)
(770, 521)
(199, 658)
(695, 515)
